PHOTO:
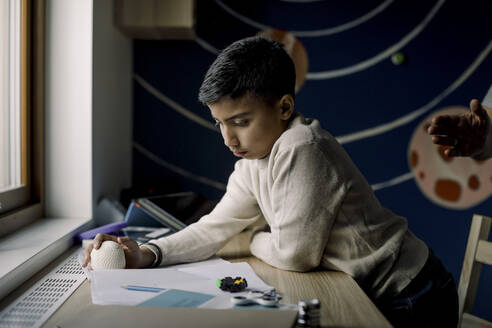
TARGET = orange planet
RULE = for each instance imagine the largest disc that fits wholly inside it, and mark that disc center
(451, 182)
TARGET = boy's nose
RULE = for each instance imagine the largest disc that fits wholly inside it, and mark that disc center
(230, 139)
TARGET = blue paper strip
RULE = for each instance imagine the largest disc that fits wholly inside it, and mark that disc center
(177, 298)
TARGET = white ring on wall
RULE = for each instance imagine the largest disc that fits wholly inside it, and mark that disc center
(383, 128)
(312, 33)
(174, 105)
(176, 169)
(392, 182)
(207, 46)
(324, 75)
(330, 74)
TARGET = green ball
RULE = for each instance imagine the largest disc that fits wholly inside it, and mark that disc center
(398, 58)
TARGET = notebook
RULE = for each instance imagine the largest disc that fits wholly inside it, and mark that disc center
(173, 211)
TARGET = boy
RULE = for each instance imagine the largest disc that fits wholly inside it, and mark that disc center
(320, 210)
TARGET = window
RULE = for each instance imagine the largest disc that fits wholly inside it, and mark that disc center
(11, 176)
(20, 103)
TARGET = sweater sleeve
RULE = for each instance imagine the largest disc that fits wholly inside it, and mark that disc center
(236, 210)
(308, 190)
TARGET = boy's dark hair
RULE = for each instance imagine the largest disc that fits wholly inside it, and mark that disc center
(254, 65)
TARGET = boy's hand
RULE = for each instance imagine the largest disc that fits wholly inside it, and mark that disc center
(466, 134)
(134, 256)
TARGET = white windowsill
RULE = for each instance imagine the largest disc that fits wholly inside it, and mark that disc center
(28, 250)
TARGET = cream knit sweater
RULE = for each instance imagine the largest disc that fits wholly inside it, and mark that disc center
(320, 210)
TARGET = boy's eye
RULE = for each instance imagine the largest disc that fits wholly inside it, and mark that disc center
(235, 123)
(241, 123)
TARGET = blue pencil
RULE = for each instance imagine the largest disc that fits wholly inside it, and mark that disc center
(144, 289)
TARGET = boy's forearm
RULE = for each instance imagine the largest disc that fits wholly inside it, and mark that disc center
(288, 258)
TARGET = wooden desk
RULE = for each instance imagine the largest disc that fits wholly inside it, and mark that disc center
(343, 303)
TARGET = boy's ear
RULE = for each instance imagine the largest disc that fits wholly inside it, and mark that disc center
(286, 106)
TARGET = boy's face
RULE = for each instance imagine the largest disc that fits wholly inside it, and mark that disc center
(249, 125)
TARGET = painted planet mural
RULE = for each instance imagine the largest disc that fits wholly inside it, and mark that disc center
(452, 182)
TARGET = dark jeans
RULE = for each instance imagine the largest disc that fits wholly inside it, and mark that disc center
(430, 300)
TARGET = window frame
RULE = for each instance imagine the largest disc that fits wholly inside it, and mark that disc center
(25, 203)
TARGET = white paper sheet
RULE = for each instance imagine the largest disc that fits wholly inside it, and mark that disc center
(201, 277)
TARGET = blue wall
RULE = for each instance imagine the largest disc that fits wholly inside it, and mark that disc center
(447, 46)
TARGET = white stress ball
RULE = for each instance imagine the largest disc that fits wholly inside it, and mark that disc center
(110, 255)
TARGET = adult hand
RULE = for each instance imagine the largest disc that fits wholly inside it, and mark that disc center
(134, 256)
(465, 134)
